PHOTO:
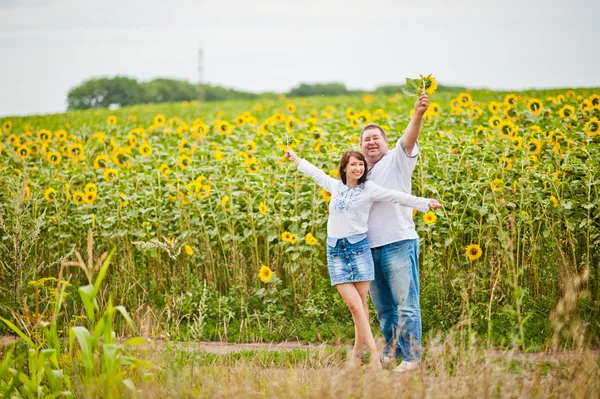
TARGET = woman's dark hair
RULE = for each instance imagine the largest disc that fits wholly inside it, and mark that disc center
(344, 162)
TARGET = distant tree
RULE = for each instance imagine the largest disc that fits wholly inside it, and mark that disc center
(318, 89)
(218, 93)
(168, 90)
(102, 92)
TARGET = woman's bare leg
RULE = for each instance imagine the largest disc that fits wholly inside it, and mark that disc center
(353, 299)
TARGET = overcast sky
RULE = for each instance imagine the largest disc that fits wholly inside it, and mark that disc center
(50, 46)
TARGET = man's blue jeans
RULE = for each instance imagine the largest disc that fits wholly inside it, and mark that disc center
(395, 294)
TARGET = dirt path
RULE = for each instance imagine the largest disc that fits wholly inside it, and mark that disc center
(225, 347)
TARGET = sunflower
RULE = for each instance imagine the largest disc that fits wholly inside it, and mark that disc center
(250, 146)
(286, 236)
(473, 252)
(23, 152)
(290, 107)
(145, 149)
(164, 169)
(225, 200)
(517, 142)
(44, 136)
(199, 130)
(430, 85)
(591, 127)
(475, 112)
(465, 99)
(90, 188)
(510, 100)
(27, 193)
(54, 157)
(189, 250)
(262, 208)
(497, 184)
(567, 112)
(6, 126)
(495, 107)
(121, 158)
(68, 191)
(61, 135)
(112, 120)
(293, 238)
(429, 217)
(495, 121)
(12, 139)
(554, 201)
(218, 155)
(310, 239)
(110, 174)
(224, 127)
(186, 148)
(184, 161)
(594, 100)
(79, 198)
(101, 161)
(76, 151)
(535, 106)
(90, 197)
(159, 119)
(50, 194)
(291, 123)
(511, 113)
(265, 273)
(506, 163)
(507, 128)
(326, 195)
(252, 167)
(534, 146)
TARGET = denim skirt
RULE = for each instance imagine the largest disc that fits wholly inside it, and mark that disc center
(350, 263)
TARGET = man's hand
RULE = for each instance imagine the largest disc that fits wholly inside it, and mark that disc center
(421, 105)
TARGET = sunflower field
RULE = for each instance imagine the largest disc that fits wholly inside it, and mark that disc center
(218, 237)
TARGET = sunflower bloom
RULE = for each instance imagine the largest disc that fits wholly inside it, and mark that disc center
(326, 195)
(112, 120)
(473, 252)
(90, 188)
(6, 126)
(310, 239)
(554, 201)
(79, 198)
(189, 250)
(110, 174)
(184, 161)
(286, 236)
(224, 201)
(44, 136)
(23, 152)
(265, 274)
(567, 112)
(591, 127)
(535, 106)
(497, 184)
(101, 161)
(50, 194)
(145, 149)
(429, 217)
(159, 120)
(262, 208)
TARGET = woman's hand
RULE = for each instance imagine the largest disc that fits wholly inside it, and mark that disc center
(433, 204)
(291, 155)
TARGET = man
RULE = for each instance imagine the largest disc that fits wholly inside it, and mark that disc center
(394, 241)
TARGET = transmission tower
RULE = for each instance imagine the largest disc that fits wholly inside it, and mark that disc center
(201, 93)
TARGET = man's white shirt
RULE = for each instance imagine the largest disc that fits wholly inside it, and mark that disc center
(389, 222)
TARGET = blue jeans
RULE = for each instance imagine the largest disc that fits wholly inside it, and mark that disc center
(395, 294)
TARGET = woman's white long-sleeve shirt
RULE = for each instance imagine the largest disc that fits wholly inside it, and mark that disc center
(349, 206)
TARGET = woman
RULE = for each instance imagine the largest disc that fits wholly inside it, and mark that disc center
(348, 255)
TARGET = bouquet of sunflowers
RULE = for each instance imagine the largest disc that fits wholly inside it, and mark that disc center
(422, 85)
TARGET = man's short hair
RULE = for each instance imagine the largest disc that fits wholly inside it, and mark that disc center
(372, 126)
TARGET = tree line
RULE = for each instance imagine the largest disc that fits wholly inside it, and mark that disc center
(121, 90)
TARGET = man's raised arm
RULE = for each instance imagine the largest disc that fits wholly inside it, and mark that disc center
(416, 122)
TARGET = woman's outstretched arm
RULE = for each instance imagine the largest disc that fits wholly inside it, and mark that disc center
(320, 177)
